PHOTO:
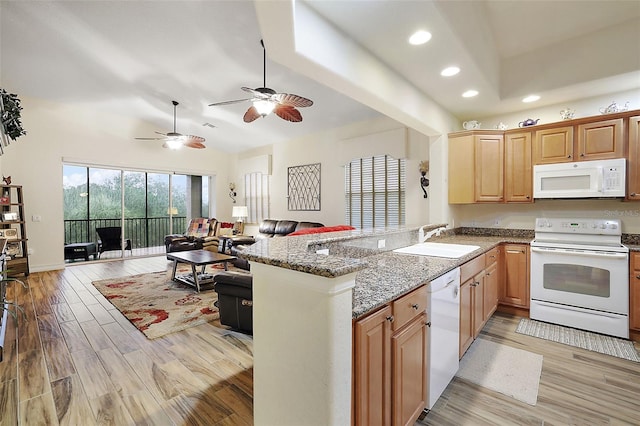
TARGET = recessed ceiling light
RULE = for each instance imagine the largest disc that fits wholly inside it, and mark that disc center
(470, 94)
(420, 37)
(531, 98)
(448, 72)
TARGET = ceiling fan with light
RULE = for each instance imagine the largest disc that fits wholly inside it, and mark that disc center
(266, 100)
(174, 140)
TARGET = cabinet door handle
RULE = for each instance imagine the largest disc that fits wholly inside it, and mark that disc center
(415, 306)
(582, 155)
(428, 324)
(390, 318)
(569, 156)
(638, 277)
(633, 194)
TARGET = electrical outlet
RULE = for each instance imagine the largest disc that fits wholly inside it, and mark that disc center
(382, 244)
(36, 218)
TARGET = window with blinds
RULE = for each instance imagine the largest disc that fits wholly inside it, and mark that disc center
(256, 192)
(375, 192)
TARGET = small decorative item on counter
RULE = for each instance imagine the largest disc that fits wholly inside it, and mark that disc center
(501, 126)
(471, 124)
(613, 107)
(567, 113)
(528, 122)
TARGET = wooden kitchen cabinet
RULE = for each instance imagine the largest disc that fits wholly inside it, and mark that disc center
(602, 140)
(390, 357)
(634, 292)
(593, 140)
(372, 369)
(476, 167)
(466, 315)
(633, 173)
(409, 377)
(515, 285)
(553, 145)
(490, 291)
(518, 181)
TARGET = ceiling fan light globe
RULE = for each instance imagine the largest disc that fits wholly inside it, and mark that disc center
(264, 107)
(174, 143)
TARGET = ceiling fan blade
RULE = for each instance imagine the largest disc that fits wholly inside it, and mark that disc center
(288, 113)
(236, 101)
(150, 139)
(260, 93)
(292, 100)
(160, 133)
(251, 114)
(194, 142)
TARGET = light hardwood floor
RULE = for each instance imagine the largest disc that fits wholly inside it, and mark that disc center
(77, 361)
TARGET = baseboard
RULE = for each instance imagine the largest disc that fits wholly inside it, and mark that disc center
(513, 310)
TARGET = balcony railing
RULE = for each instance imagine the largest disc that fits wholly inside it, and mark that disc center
(143, 231)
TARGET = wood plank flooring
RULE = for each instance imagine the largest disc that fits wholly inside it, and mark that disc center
(76, 360)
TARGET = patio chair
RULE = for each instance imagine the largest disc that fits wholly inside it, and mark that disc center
(110, 238)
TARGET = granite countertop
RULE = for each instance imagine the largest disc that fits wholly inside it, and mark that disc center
(381, 274)
(390, 275)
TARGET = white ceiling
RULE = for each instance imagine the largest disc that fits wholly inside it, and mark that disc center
(134, 57)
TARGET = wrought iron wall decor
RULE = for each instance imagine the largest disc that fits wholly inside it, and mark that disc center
(304, 187)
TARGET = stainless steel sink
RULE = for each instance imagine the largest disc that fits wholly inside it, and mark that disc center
(451, 251)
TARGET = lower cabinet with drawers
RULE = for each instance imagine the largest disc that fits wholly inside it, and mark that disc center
(390, 362)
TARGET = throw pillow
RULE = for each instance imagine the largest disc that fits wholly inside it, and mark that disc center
(322, 229)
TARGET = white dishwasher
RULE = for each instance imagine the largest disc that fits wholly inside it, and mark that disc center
(443, 308)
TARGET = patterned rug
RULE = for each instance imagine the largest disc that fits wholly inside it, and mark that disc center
(510, 371)
(595, 342)
(156, 306)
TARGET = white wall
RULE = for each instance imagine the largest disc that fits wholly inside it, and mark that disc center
(87, 135)
(328, 148)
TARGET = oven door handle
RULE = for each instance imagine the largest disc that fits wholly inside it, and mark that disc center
(580, 253)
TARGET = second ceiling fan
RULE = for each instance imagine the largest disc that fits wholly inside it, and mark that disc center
(175, 140)
(266, 100)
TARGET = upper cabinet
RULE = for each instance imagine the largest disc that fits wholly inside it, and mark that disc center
(518, 181)
(633, 171)
(476, 169)
(598, 140)
(493, 166)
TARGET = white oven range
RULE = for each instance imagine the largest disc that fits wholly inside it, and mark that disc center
(580, 275)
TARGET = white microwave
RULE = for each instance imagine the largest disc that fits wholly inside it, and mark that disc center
(583, 179)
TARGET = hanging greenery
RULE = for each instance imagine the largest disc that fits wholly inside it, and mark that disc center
(11, 125)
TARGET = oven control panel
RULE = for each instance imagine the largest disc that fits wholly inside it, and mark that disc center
(579, 226)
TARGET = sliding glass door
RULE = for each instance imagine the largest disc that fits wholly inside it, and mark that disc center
(145, 205)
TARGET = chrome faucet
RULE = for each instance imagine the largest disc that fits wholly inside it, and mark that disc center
(422, 237)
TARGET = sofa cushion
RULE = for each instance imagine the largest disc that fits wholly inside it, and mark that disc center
(306, 225)
(322, 229)
(285, 227)
(267, 227)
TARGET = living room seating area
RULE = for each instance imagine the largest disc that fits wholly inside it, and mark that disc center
(201, 234)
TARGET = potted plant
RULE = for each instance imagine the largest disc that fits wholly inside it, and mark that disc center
(10, 124)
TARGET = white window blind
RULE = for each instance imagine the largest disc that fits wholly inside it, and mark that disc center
(375, 192)
(256, 190)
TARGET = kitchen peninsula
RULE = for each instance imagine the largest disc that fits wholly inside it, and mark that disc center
(305, 303)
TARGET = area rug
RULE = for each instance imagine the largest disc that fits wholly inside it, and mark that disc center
(595, 342)
(510, 371)
(156, 305)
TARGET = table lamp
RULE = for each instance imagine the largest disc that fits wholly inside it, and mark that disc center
(240, 212)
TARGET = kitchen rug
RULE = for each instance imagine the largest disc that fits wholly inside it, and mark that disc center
(510, 371)
(595, 342)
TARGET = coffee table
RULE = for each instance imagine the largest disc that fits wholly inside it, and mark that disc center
(196, 258)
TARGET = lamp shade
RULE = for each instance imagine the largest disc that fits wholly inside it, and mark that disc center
(240, 211)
